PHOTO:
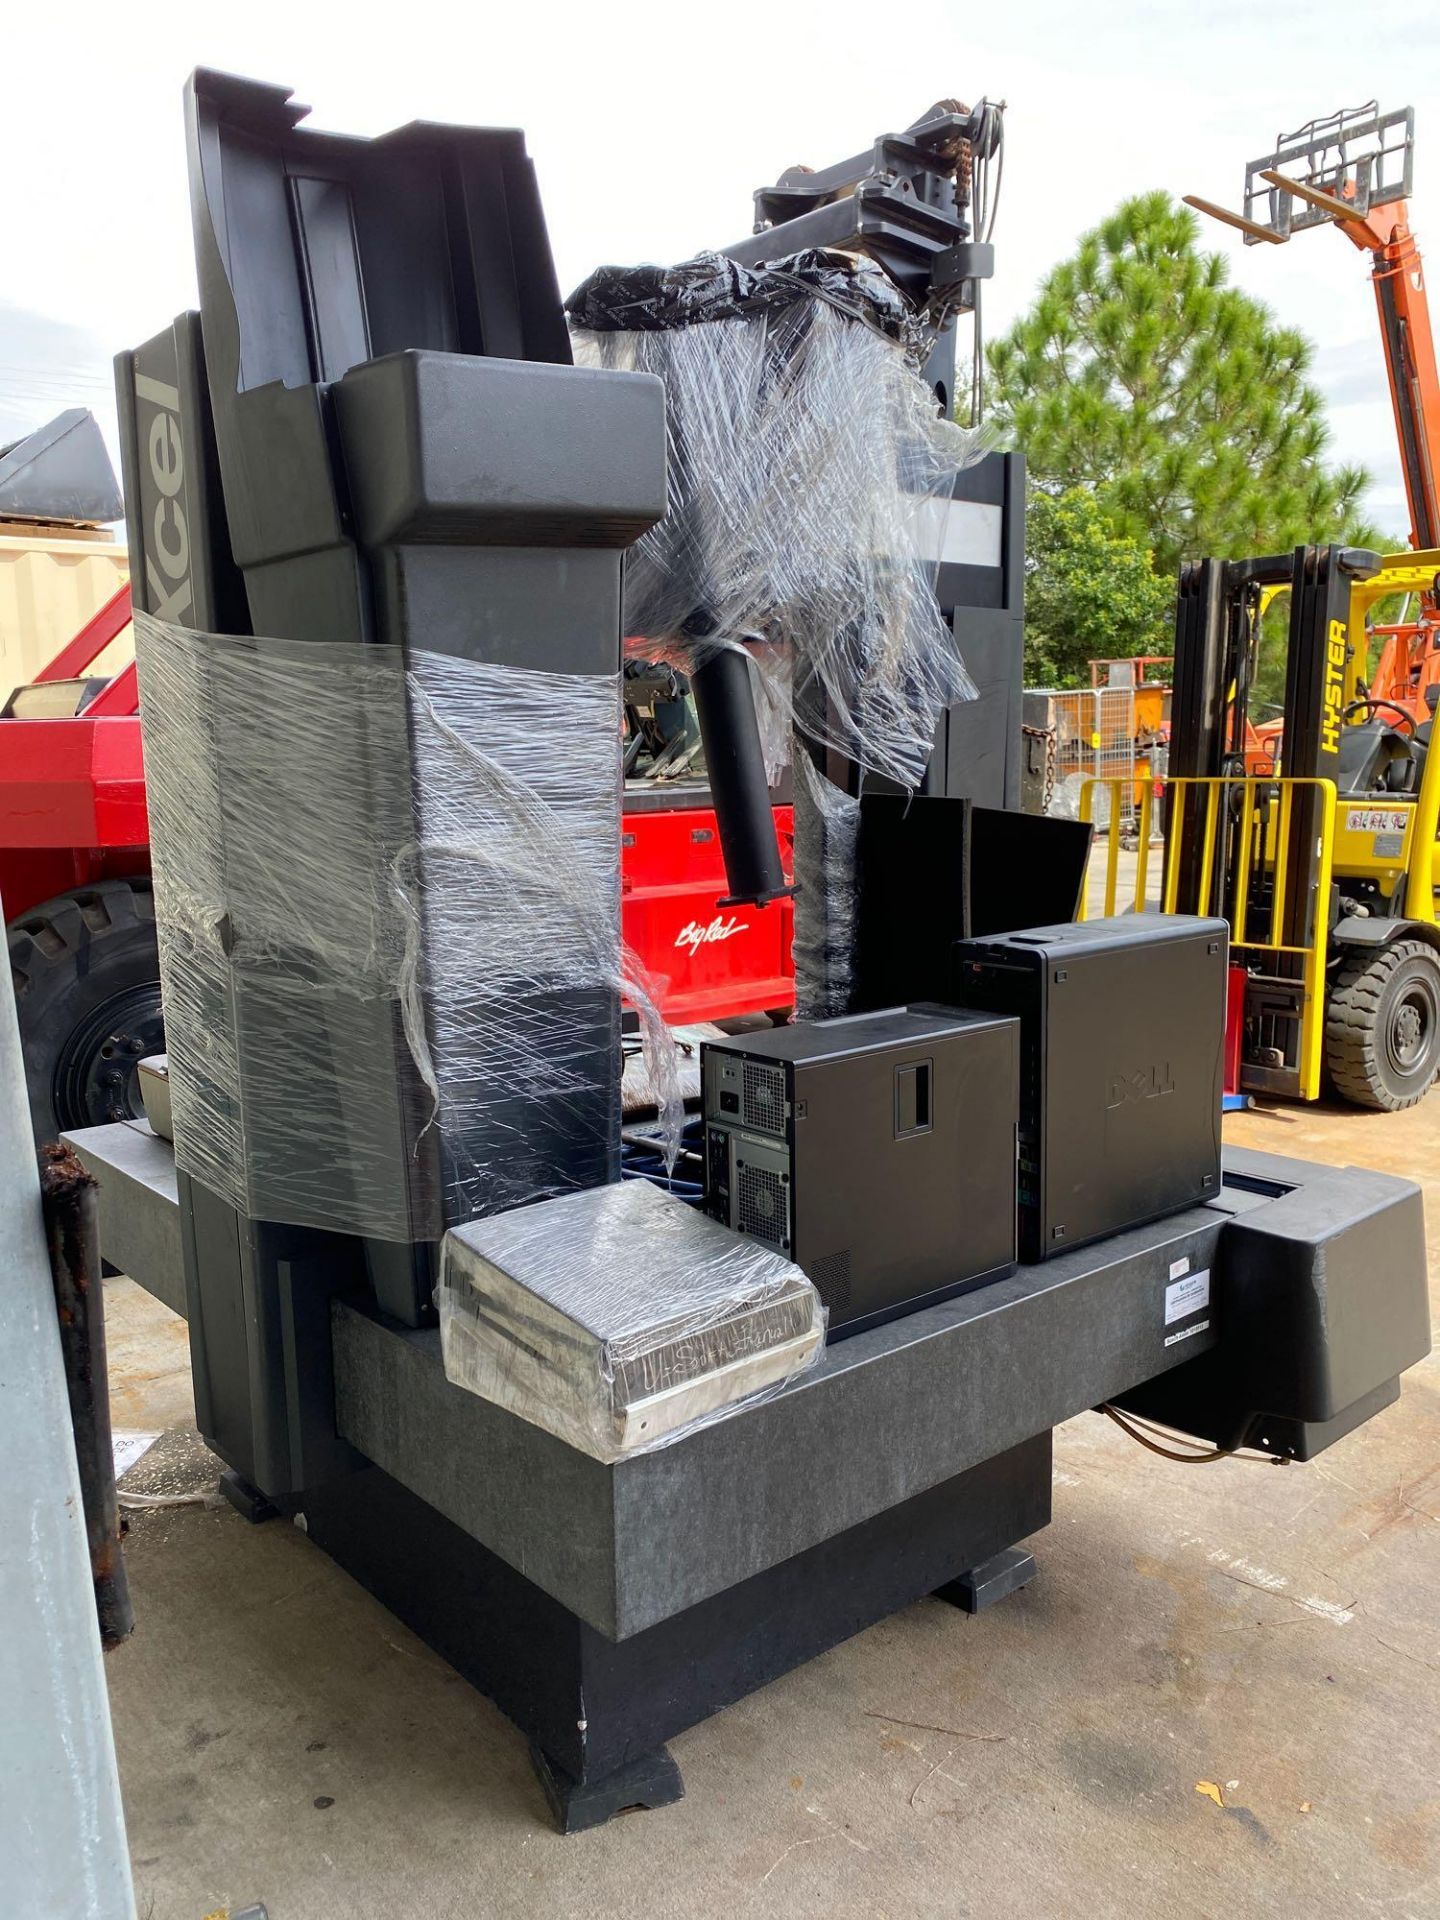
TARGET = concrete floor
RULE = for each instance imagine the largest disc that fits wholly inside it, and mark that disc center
(1270, 1631)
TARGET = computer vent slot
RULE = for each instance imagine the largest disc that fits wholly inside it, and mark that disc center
(764, 1097)
(764, 1205)
(832, 1281)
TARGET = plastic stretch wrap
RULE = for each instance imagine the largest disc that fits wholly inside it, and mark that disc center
(388, 912)
(809, 478)
(621, 1319)
(827, 837)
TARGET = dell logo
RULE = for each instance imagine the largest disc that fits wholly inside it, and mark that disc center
(1148, 1084)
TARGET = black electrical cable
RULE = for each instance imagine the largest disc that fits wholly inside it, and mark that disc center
(986, 205)
(1131, 1424)
(642, 1158)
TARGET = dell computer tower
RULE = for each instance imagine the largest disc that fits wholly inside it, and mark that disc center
(877, 1151)
(1123, 1038)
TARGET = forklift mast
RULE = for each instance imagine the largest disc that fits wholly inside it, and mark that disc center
(1216, 637)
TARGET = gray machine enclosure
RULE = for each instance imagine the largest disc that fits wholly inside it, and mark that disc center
(900, 1408)
(371, 434)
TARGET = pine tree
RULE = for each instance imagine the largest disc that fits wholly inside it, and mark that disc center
(1177, 400)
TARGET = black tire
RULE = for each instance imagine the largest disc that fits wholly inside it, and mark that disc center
(87, 990)
(1382, 1026)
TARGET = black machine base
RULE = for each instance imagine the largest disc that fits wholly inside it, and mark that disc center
(984, 1585)
(639, 1786)
(599, 1711)
(247, 1501)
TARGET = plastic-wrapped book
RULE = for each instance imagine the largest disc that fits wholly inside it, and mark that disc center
(620, 1318)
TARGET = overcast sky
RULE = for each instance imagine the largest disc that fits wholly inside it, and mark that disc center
(652, 124)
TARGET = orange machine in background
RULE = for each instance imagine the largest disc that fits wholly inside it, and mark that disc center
(1354, 171)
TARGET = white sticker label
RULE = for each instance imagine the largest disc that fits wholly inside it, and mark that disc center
(1376, 819)
(128, 1448)
(1200, 1326)
(963, 533)
(1177, 1267)
(1187, 1296)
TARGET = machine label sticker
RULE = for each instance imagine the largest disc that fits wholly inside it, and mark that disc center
(1187, 1296)
(1376, 820)
(1177, 1267)
(1200, 1326)
(167, 550)
(1389, 846)
(1335, 650)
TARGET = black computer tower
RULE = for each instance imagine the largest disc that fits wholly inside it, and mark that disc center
(877, 1151)
(1122, 1059)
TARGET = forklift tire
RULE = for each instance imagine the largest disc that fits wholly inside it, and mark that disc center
(87, 991)
(1382, 1027)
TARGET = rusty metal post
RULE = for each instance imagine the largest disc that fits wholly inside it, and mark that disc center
(72, 1232)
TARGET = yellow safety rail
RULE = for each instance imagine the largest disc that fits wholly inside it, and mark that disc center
(1120, 790)
(1260, 810)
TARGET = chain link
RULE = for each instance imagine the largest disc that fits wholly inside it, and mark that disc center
(1049, 736)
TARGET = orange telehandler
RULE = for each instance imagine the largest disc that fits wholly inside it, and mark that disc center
(1354, 171)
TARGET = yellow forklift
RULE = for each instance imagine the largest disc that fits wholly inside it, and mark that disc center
(1315, 834)
(1325, 865)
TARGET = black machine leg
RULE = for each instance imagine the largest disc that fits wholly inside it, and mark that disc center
(247, 1501)
(992, 1580)
(649, 1782)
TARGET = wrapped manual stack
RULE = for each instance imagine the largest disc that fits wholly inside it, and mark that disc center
(620, 1318)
